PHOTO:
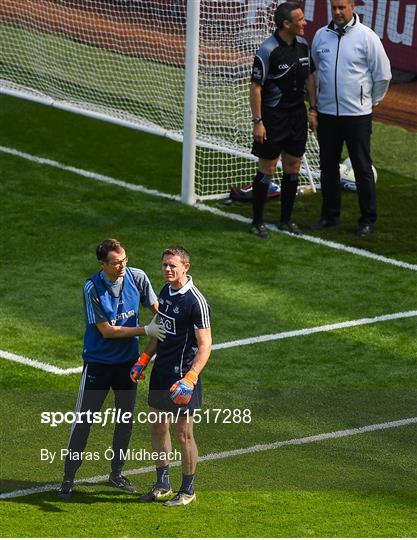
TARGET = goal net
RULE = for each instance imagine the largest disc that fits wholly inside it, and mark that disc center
(124, 61)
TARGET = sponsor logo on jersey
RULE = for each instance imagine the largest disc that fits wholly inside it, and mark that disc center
(323, 51)
(169, 324)
(176, 310)
(122, 316)
(176, 369)
(161, 301)
(283, 66)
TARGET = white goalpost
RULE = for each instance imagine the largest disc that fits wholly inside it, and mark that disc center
(175, 68)
(188, 194)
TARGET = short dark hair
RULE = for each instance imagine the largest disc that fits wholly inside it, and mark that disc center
(107, 245)
(283, 13)
(177, 250)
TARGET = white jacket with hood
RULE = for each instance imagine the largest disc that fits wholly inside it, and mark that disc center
(353, 70)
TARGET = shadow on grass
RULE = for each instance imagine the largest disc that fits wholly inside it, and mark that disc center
(49, 501)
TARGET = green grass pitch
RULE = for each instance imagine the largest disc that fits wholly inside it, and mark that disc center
(357, 486)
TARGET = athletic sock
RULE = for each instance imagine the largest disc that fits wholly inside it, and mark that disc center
(259, 191)
(288, 193)
(187, 485)
(162, 477)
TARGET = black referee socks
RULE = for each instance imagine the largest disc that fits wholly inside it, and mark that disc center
(259, 191)
(289, 186)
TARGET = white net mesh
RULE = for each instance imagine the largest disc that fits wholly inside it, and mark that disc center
(124, 60)
(228, 42)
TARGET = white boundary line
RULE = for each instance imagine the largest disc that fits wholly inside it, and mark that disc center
(231, 453)
(87, 174)
(316, 329)
(38, 365)
(248, 341)
(228, 344)
(202, 207)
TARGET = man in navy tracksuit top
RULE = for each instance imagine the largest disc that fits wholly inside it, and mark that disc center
(175, 385)
(111, 347)
(353, 74)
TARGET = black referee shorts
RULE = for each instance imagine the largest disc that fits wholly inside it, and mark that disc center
(286, 130)
(158, 397)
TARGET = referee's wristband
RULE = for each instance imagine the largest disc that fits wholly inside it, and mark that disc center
(313, 108)
(256, 120)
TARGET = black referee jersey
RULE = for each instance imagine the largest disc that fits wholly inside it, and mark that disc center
(282, 70)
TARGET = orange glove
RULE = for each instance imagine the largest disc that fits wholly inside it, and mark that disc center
(136, 373)
(181, 391)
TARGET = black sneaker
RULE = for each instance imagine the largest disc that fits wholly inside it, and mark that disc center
(121, 482)
(156, 494)
(260, 230)
(364, 230)
(292, 228)
(65, 491)
(324, 223)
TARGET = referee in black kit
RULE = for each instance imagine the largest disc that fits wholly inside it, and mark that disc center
(281, 71)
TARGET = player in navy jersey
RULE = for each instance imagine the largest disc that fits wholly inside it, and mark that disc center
(175, 385)
(112, 298)
(281, 71)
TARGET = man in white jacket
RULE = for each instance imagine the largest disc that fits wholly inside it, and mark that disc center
(352, 74)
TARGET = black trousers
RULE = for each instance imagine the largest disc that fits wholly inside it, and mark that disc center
(96, 381)
(356, 131)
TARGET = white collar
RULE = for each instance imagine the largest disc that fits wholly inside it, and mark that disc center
(184, 288)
